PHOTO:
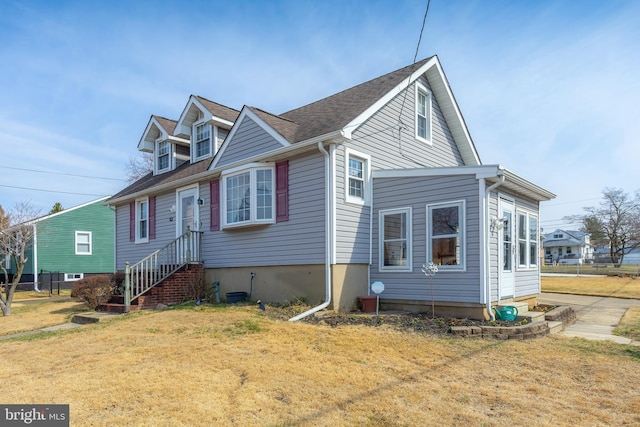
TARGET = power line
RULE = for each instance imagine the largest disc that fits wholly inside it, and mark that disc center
(61, 173)
(52, 191)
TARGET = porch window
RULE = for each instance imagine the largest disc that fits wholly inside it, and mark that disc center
(395, 239)
(142, 220)
(528, 240)
(423, 114)
(249, 196)
(83, 243)
(446, 235)
(202, 134)
(357, 177)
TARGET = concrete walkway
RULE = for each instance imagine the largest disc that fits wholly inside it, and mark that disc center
(596, 316)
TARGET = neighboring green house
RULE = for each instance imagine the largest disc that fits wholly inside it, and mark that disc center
(71, 244)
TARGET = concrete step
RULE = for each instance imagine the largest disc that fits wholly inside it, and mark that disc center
(555, 327)
(535, 316)
(92, 317)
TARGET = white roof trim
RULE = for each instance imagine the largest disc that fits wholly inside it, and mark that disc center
(444, 96)
(247, 113)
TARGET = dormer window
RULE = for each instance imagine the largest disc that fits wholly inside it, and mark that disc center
(202, 133)
(423, 114)
(163, 156)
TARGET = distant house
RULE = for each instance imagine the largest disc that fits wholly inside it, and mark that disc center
(567, 247)
(70, 245)
(319, 202)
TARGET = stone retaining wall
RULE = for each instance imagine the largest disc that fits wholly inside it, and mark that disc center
(521, 332)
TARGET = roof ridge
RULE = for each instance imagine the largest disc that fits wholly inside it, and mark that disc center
(214, 102)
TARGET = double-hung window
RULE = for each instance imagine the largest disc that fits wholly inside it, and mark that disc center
(83, 243)
(202, 136)
(142, 220)
(163, 155)
(395, 239)
(527, 240)
(446, 235)
(423, 113)
(249, 196)
(357, 177)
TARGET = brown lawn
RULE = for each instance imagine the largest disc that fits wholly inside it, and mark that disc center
(235, 366)
(611, 286)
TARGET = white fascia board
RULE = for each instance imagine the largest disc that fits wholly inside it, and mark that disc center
(480, 172)
(148, 144)
(528, 187)
(246, 112)
(181, 127)
(447, 101)
(366, 114)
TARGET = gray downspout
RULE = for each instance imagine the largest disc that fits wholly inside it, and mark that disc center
(488, 249)
(328, 239)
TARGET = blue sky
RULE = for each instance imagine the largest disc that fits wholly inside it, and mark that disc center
(548, 89)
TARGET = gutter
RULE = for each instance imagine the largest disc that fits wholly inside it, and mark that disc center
(329, 236)
(488, 244)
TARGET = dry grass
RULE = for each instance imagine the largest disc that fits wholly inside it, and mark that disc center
(619, 287)
(30, 314)
(629, 326)
(235, 366)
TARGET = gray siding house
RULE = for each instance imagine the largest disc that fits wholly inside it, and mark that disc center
(319, 202)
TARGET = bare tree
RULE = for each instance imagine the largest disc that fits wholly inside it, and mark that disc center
(614, 224)
(16, 236)
(140, 166)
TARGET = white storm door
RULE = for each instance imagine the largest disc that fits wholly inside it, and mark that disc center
(187, 219)
(507, 250)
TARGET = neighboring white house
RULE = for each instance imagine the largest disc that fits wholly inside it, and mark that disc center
(567, 247)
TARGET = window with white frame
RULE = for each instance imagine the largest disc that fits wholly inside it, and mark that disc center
(446, 235)
(357, 177)
(395, 239)
(249, 196)
(83, 243)
(70, 277)
(163, 150)
(423, 113)
(527, 240)
(202, 136)
(142, 220)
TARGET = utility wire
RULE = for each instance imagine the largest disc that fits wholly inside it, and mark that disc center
(52, 191)
(61, 173)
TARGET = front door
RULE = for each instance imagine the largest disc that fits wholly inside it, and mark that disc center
(187, 219)
(507, 249)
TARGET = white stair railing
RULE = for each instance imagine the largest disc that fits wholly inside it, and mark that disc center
(150, 271)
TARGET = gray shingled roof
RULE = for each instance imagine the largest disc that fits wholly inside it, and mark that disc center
(336, 111)
(284, 127)
(168, 124)
(219, 110)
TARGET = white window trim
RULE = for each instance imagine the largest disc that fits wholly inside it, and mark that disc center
(137, 219)
(422, 88)
(156, 161)
(463, 234)
(252, 169)
(194, 148)
(409, 238)
(7, 261)
(69, 277)
(527, 256)
(90, 242)
(366, 177)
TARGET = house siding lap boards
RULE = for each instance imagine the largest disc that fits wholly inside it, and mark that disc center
(249, 140)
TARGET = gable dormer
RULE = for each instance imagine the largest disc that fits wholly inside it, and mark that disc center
(206, 124)
(168, 151)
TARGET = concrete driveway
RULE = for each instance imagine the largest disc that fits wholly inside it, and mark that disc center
(596, 317)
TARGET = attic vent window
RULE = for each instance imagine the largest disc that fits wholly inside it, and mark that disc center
(423, 114)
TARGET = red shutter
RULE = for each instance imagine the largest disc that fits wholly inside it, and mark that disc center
(214, 191)
(282, 191)
(132, 221)
(152, 217)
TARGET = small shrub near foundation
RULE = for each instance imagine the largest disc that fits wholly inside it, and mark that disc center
(94, 290)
